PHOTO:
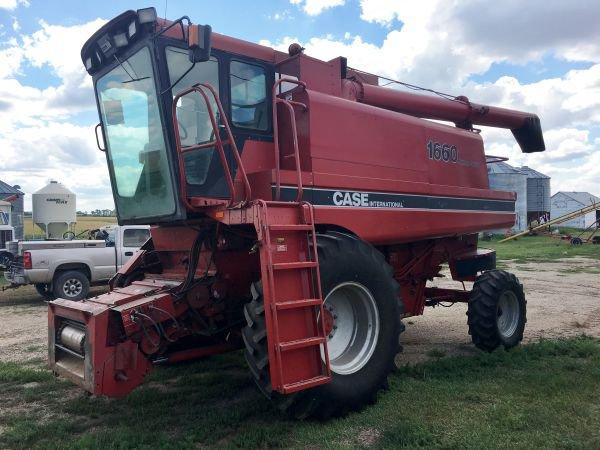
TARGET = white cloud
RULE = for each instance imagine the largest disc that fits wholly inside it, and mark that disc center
(511, 29)
(12, 4)
(58, 47)
(316, 7)
(53, 47)
(32, 155)
(282, 15)
(11, 58)
(39, 135)
(442, 44)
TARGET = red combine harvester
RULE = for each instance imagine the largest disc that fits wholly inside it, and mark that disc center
(298, 211)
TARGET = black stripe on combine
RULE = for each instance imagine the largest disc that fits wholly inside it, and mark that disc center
(366, 199)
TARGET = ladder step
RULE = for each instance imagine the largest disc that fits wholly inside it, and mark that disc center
(301, 343)
(299, 303)
(301, 227)
(305, 384)
(295, 265)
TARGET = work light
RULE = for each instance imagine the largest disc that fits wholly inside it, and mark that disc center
(120, 40)
(147, 15)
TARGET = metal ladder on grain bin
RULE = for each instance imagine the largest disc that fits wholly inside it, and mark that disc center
(296, 335)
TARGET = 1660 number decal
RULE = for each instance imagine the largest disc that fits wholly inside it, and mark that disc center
(442, 152)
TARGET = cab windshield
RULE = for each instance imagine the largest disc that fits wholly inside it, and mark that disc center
(135, 144)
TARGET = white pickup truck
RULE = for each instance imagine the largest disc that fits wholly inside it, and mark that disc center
(66, 269)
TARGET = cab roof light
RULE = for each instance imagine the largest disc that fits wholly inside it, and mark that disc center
(147, 15)
(106, 46)
(120, 40)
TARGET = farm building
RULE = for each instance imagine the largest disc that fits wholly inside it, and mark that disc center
(531, 186)
(564, 202)
(15, 197)
(6, 230)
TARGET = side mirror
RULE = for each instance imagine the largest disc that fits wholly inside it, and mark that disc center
(199, 43)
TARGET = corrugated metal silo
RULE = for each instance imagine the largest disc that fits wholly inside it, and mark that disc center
(538, 193)
(504, 177)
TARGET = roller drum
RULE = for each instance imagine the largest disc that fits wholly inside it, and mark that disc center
(73, 339)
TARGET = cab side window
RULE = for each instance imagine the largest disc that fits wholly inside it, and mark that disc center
(249, 107)
(135, 237)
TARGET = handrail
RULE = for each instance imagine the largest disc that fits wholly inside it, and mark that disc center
(218, 142)
(289, 104)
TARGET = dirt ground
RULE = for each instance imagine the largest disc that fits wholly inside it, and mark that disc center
(563, 299)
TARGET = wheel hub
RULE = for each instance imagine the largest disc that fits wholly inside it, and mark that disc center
(72, 287)
(351, 322)
(329, 321)
(508, 314)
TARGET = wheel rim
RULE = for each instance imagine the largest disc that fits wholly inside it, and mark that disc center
(72, 287)
(508, 314)
(355, 330)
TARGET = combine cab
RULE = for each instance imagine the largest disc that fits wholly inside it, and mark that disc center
(298, 212)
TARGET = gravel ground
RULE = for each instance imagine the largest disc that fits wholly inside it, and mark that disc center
(563, 300)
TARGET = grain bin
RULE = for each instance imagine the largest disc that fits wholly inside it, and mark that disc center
(538, 194)
(504, 177)
(54, 210)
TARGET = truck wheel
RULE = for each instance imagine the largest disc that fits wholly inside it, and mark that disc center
(44, 290)
(497, 311)
(71, 285)
(362, 295)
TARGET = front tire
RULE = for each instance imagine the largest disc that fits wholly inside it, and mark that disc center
(359, 289)
(497, 311)
(71, 285)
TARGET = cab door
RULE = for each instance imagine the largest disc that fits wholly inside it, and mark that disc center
(131, 241)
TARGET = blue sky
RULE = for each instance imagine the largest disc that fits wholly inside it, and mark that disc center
(540, 56)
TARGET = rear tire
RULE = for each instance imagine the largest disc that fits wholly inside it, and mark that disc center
(6, 260)
(44, 290)
(71, 285)
(344, 261)
(497, 311)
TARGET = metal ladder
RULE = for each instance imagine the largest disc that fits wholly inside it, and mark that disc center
(292, 297)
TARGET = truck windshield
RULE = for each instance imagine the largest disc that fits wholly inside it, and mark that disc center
(136, 146)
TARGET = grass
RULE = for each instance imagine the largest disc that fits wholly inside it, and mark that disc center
(83, 223)
(543, 395)
(539, 248)
(436, 353)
